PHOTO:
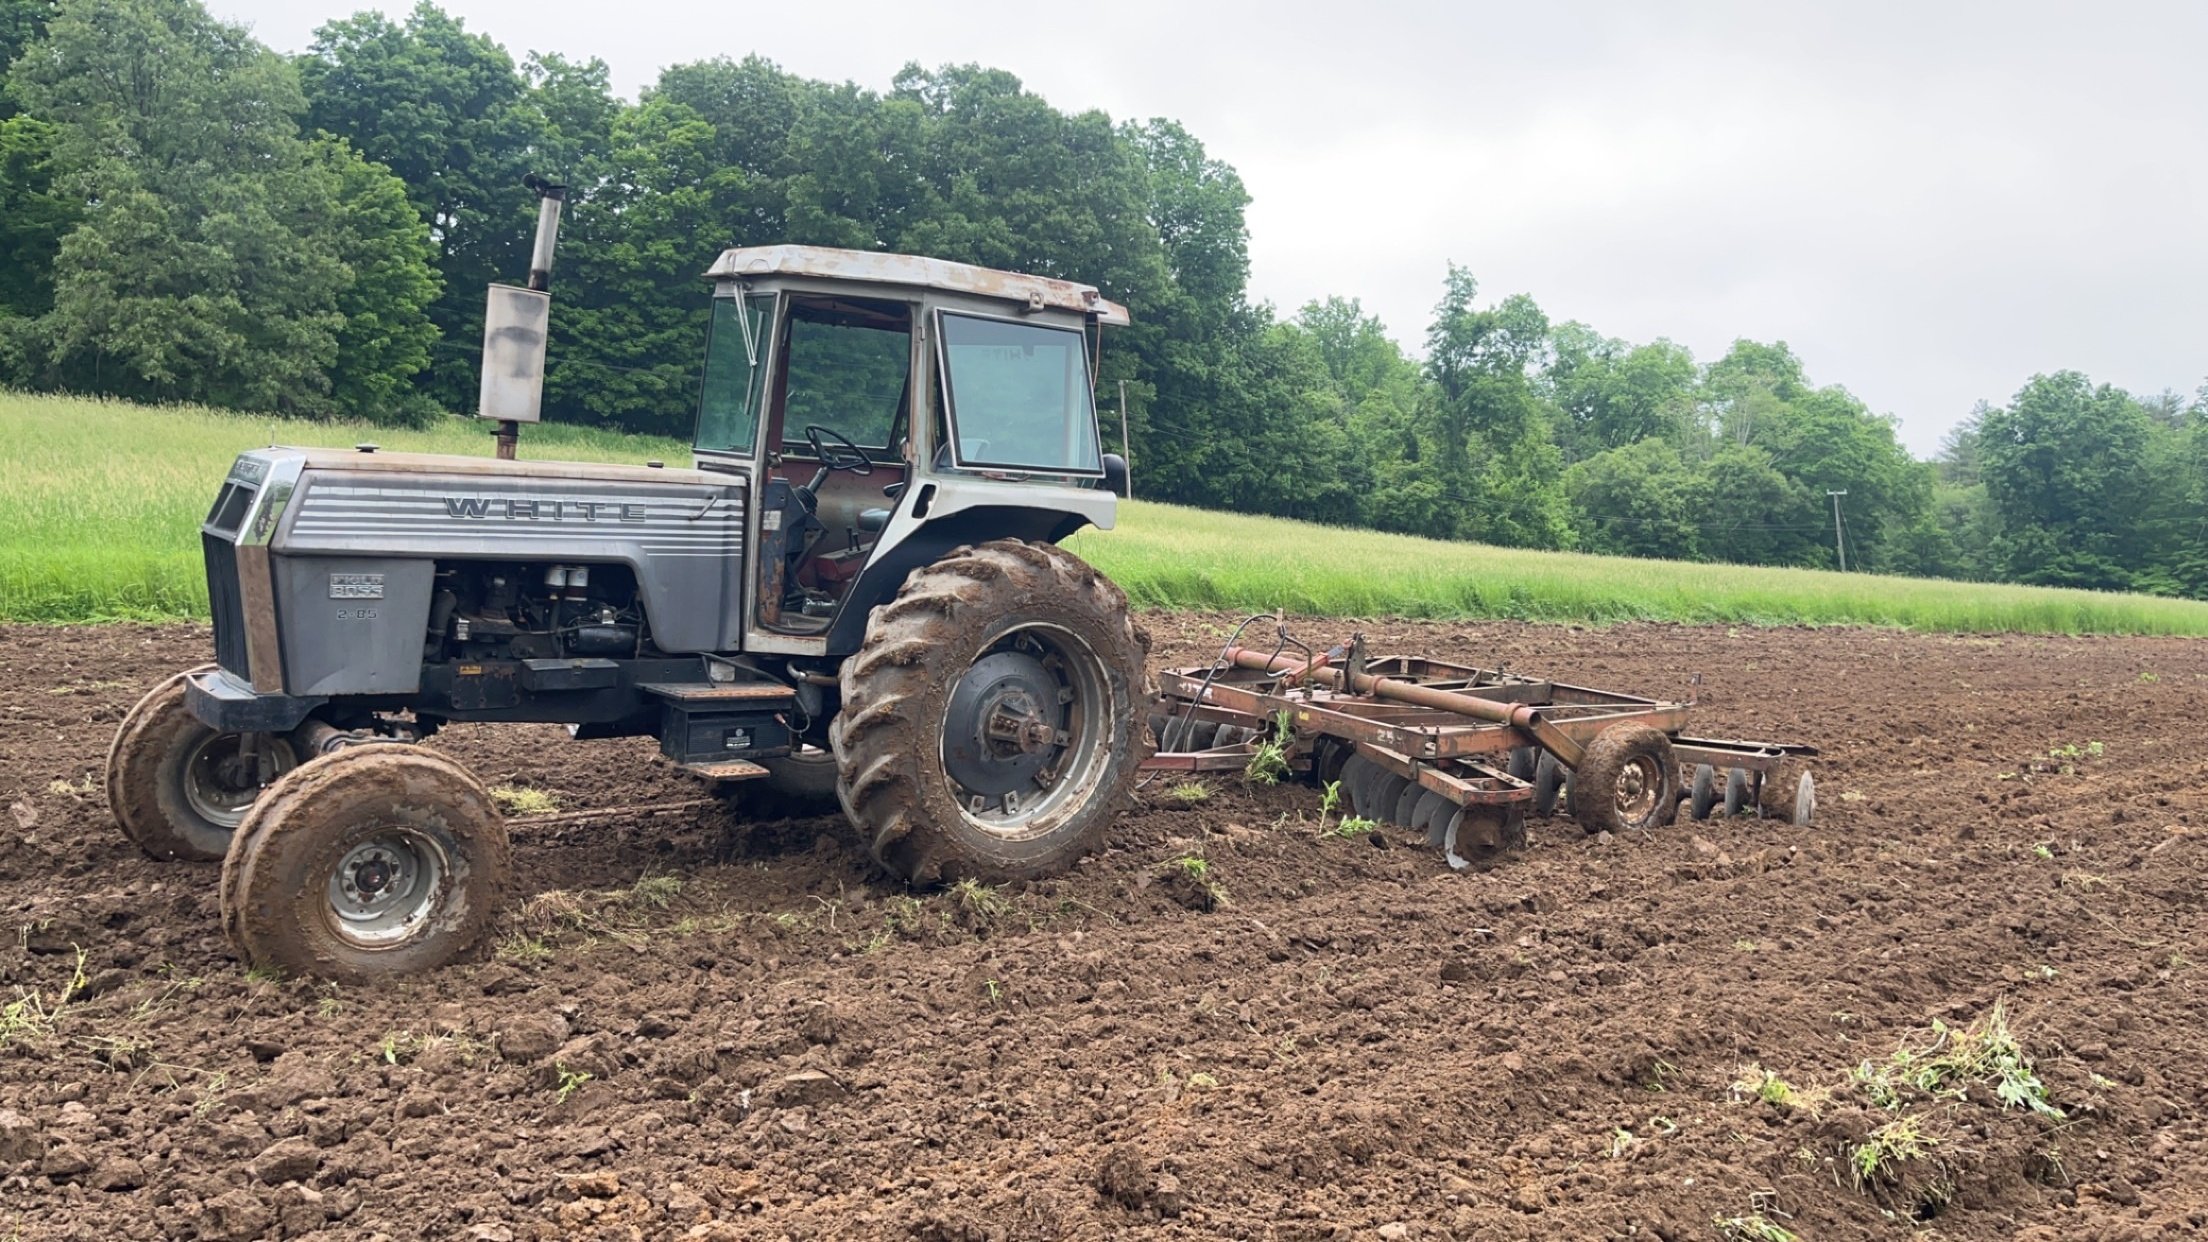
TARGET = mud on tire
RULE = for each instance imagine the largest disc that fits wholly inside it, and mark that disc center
(165, 777)
(377, 860)
(1628, 781)
(1034, 634)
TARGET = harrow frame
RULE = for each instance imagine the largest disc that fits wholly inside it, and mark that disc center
(1488, 744)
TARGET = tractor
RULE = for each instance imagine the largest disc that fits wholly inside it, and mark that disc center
(855, 596)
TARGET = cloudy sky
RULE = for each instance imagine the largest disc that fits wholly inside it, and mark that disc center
(1928, 201)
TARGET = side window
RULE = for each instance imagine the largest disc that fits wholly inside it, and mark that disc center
(847, 371)
(1019, 396)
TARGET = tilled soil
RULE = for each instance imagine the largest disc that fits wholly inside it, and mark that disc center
(699, 1024)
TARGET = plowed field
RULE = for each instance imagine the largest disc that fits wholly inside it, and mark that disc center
(713, 1025)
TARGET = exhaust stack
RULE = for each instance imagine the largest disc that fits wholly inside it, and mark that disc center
(515, 324)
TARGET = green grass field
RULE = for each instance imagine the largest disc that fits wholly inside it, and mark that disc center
(101, 501)
(100, 504)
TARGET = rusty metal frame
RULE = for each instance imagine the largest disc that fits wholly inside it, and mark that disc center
(1427, 733)
(1429, 721)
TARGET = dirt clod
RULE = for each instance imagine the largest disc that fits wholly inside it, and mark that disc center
(65, 1162)
(598, 1184)
(287, 1160)
(806, 1087)
(19, 1138)
(118, 1173)
(532, 1037)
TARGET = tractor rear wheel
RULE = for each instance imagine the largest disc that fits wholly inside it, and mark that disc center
(372, 861)
(989, 725)
(1627, 781)
(180, 789)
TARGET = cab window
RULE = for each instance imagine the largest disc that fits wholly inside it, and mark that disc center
(735, 374)
(847, 363)
(1019, 396)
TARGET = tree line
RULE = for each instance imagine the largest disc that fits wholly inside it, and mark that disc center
(186, 215)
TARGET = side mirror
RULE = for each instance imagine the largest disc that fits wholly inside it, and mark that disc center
(1115, 475)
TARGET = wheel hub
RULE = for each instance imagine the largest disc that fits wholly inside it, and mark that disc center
(1023, 731)
(221, 781)
(382, 888)
(373, 877)
(1636, 792)
(1004, 726)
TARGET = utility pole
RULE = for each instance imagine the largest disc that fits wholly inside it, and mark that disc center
(1123, 439)
(1839, 544)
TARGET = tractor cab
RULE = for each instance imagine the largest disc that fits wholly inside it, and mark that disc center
(869, 399)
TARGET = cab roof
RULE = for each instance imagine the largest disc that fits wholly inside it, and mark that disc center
(916, 271)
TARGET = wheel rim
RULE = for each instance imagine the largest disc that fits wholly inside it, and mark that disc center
(221, 784)
(1026, 731)
(386, 887)
(1640, 784)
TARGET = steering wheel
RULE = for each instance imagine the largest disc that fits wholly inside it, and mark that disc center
(845, 455)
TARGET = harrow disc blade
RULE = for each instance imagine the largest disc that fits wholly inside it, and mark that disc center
(1405, 803)
(1788, 794)
(1431, 816)
(1738, 793)
(1704, 797)
(1548, 784)
(1328, 758)
(1384, 794)
(1356, 773)
(1523, 761)
(1375, 776)
(1478, 837)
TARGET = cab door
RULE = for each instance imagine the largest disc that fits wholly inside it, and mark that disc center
(837, 441)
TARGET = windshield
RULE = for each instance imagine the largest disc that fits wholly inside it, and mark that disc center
(1019, 396)
(735, 374)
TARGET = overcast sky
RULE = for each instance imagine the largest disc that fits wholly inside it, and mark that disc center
(1929, 201)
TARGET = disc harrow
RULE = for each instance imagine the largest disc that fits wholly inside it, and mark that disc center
(1464, 754)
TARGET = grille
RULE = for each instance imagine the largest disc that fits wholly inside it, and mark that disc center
(223, 600)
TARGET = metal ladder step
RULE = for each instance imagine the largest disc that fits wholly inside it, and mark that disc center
(707, 693)
(725, 770)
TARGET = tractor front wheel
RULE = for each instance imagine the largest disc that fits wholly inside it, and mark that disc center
(180, 789)
(990, 724)
(372, 861)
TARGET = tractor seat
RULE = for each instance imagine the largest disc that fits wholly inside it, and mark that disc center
(873, 520)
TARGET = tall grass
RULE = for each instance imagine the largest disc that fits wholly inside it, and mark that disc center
(101, 501)
(100, 505)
